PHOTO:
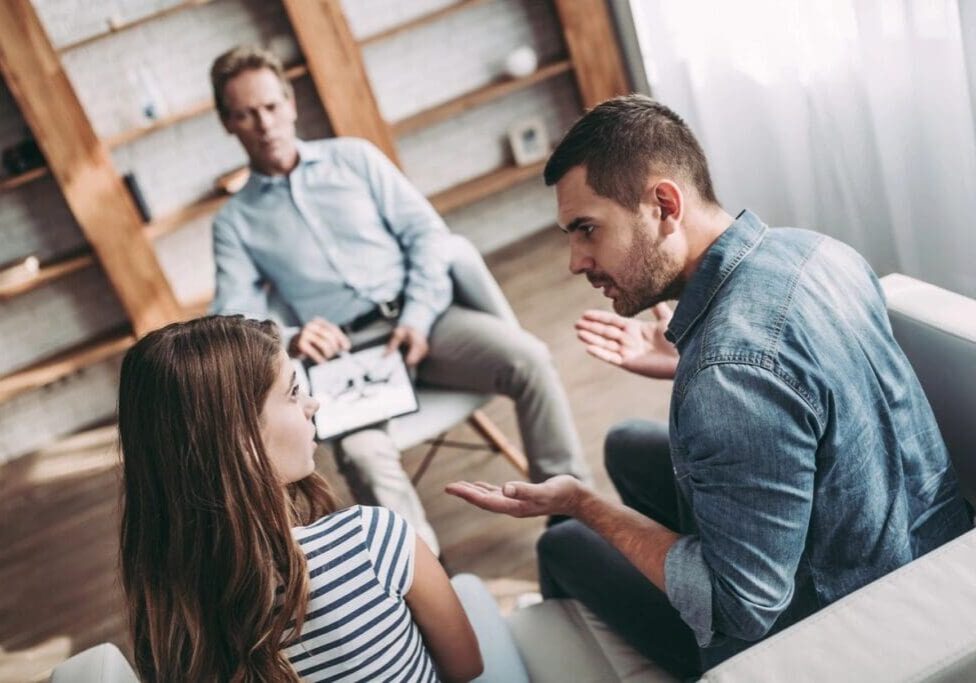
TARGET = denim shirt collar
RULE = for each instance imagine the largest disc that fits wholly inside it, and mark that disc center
(725, 254)
(307, 154)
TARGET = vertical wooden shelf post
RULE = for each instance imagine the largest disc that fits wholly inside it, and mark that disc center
(593, 49)
(82, 167)
(336, 65)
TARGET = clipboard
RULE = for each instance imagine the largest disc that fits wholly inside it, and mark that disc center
(358, 388)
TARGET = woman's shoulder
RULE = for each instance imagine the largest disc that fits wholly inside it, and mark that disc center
(362, 530)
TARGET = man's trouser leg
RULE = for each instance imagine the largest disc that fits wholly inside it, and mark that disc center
(371, 465)
(575, 562)
(480, 352)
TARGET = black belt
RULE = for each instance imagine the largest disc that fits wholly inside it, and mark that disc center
(385, 310)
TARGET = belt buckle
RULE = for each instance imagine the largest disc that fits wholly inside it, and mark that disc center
(389, 309)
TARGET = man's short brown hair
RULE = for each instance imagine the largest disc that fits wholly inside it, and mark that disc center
(243, 58)
(622, 141)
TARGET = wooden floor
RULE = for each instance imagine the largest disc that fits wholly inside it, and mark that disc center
(59, 508)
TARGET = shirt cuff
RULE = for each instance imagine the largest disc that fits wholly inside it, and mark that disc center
(689, 586)
(419, 317)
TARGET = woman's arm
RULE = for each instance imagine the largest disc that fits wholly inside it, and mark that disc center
(438, 613)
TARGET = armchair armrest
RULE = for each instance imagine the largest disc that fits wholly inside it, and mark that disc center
(916, 624)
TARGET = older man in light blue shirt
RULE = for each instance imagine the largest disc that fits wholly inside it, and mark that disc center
(347, 242)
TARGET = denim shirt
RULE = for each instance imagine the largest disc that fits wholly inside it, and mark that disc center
(801, 440)
(344, 231)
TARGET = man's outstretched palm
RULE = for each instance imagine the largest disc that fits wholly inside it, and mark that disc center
(559, 495)
(635, 345)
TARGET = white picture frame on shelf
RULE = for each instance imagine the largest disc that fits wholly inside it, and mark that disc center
(529, 140)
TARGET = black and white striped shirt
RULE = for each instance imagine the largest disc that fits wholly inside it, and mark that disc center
(357, 625)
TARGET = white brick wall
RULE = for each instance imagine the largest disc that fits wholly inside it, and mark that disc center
(409, 72)
(30, 420)
(57, 316)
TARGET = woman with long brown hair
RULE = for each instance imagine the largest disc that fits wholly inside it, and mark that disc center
(235, 563)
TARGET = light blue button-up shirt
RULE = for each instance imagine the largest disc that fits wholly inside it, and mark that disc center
(344, 231)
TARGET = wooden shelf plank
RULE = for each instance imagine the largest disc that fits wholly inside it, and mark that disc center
(23, 178)
(126, 25)
(133, 134)
(192, 111)
(47, 273)
(483, 186)
(418, 21)
(51, 370)
(92, 188)
(477, 97)
(174, 221)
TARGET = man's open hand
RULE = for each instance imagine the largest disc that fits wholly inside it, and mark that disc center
(319, 340)
(415, 342)
(635, 345)
(560, 495)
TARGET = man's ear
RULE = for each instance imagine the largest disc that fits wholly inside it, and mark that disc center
(667, 197)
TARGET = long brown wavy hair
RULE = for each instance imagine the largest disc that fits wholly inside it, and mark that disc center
(214, 582)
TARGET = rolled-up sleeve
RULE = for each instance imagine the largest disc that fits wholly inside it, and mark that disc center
(744, 449)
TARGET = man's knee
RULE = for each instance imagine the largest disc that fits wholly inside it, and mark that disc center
(628, 442)
(369, 450)
(559, 543)
(630, 446)
(527, 360)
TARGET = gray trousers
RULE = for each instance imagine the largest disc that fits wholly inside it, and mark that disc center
(475, 351)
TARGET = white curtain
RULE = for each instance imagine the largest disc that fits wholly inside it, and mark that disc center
(851, 117)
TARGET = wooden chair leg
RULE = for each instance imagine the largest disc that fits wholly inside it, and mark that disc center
(490, 432)
(435, 446)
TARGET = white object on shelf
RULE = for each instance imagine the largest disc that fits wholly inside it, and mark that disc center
(521, 62)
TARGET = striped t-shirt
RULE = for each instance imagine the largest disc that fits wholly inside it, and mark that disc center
(357, 625)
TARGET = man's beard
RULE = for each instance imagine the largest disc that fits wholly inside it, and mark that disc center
(649, 276)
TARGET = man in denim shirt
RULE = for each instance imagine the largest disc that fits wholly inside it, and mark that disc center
(802, 460)
(353, 248)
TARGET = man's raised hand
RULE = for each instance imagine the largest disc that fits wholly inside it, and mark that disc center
(635, 345)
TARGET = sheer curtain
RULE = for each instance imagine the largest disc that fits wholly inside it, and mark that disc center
(851, 117)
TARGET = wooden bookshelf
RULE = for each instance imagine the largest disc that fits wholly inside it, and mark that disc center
(190, 112)
(133, 23)
(477, 97)
(14, 181)
(47, 273)
(172, 222)
(483, 186)
(418, 21)
(63, 364)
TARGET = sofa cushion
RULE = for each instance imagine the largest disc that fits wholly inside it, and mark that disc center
(561, 640)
